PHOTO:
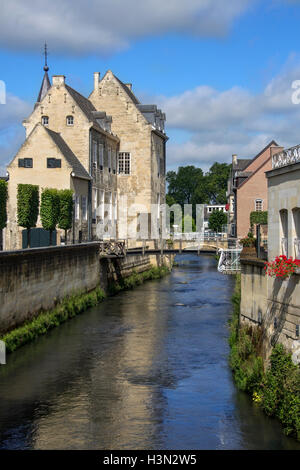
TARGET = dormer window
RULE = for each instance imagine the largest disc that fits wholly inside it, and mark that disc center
(45, 120)
(70, 120)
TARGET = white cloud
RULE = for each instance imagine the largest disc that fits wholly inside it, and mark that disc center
(12, 133)
(221, 123)
(109, 25)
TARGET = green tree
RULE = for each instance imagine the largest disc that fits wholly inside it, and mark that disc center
(50, 209)
(216, 221)
(183, 183)
(66, 210)
(27, 207)
(216, 183)
(3, 209)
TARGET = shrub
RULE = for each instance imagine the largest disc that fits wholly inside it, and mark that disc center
(50, 210)
(66, 210)
(27, 207)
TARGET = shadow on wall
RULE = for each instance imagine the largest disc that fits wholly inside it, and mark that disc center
(277, 311)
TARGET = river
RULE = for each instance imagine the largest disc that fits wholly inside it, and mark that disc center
(146, 369)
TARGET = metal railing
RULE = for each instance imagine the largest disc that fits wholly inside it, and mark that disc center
(286, 157)
(230, 260)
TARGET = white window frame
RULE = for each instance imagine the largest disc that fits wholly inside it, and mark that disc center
(124, 163)
(45, 120)
(70, 120)
(259, 201)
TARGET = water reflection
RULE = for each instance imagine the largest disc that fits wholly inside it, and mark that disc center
(145, 370)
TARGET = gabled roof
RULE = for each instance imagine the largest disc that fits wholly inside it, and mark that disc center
(86, 107)
(128, 91)
(241, 164)
(270, 144)
(73, 161)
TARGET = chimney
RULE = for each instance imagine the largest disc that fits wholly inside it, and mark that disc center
(96, 80)
(58, 80)
(129, 85)
(234, 159)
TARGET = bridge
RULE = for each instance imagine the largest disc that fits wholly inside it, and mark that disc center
(193, 243)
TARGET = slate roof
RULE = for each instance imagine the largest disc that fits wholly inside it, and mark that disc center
(46, 85)
(77, 167)
(241, 164)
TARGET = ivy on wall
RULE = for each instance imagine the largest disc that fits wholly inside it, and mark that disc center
(3, 201)
(258, 217)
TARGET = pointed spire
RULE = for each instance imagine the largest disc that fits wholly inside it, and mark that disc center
(46, 85)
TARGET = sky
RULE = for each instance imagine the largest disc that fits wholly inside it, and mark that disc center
(222, 71)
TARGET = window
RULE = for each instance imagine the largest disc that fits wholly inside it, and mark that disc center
(45, 120)
(77, 207)
(109, 159)
(124, 163)
(95, 199)
(53, 163)
(101, 153)
(25, 163)
(70, 120)
(258, 205)
(84, 207)
(296, 231)
(101, 205)
(95, 154)
(114, 161)
(284, 231)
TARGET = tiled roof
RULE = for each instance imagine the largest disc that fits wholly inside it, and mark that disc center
(241, 164)
(77, 167)
(46, 85)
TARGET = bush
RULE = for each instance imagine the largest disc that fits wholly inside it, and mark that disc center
(27, 207)
(50, 210)
(258, 217)
(3, 201)
(276, 390)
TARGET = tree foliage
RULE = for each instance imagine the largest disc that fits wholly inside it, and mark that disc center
(3, 202)
(258, 217)
(216, 221)
(66, 209)
(50, 209)
(27, 205)
(190, 186)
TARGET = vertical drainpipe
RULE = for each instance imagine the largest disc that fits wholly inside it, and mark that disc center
(90, 191)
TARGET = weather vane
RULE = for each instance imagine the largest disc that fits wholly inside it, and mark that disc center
(46, 68)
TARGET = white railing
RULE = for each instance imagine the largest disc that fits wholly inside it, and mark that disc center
(286, 157)
(230, 260)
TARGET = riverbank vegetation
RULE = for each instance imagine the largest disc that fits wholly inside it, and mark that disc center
(276, 389)
(72, 306)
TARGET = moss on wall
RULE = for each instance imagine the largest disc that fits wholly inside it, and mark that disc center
(72, 306)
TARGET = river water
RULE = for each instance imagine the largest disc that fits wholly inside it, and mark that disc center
(146, 369)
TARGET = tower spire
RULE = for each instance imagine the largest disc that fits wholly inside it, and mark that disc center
(46, 68)
(46, 82)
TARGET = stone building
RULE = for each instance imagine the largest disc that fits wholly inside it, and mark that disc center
(142, 153)
(273, 303)
(72, 143)
(248, 189)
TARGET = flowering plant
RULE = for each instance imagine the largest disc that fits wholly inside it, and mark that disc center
(281, 267)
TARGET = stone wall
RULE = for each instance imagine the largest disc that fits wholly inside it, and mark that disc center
(35, 279)
(272, 304)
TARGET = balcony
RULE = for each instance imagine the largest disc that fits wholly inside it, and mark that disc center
(286, 157)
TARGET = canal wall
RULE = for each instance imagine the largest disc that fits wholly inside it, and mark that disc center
(273, 305)
(37, 279)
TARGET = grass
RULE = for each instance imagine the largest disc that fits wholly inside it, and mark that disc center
(72, 306)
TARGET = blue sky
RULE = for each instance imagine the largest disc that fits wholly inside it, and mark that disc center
(222, 71)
